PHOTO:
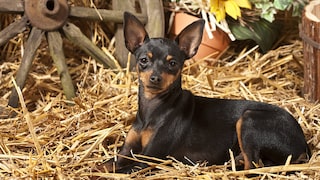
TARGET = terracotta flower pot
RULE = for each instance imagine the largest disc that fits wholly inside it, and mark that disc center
(213, 47)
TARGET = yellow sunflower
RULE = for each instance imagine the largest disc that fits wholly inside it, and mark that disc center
(231, 7)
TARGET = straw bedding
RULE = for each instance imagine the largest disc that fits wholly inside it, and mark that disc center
(49, 137)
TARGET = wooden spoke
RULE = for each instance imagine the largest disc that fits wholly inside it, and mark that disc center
(12, 30)
(32, 45)
(101, 14)
(56, 51)
(74, 34)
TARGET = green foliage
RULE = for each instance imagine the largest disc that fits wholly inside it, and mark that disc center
(269, 8)
(282, 4)
(262, 32)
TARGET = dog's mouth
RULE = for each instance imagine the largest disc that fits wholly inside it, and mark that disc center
(151, 91)
(153, 88)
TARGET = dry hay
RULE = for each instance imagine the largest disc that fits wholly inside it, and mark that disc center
(49, 138)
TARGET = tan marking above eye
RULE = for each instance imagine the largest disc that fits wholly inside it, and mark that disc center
(169, 57)
(150, 55)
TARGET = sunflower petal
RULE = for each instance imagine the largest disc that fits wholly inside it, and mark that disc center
(243, 3)
(232, 9)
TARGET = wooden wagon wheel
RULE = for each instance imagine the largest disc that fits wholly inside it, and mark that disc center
(152, 10)
(49, 18)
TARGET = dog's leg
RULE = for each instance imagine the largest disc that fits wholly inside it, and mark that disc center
(248, 153)
(270, 135)
(122, 164)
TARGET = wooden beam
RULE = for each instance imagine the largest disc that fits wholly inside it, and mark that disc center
(11, 6)
(153, 10)
(102, 14)
(121, 52)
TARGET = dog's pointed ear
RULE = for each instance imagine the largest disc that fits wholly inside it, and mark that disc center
(190, 38)
(134, 32)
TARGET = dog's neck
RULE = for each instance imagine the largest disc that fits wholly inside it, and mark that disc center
(161, 102)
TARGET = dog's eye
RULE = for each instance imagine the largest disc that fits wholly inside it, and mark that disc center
(172, 63)
(143, 61)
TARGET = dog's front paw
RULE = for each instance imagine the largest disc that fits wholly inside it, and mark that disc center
(132, 168)
(102, 168)
(239, 160)
(109, 166)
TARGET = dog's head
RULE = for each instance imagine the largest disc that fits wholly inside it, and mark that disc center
(160, 60)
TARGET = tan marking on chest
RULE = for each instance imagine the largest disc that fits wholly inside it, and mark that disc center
(132, 137)
(146, 136)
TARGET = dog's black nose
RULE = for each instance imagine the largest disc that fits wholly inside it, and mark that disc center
(155, 79)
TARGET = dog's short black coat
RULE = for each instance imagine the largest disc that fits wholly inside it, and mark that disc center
(173, 122)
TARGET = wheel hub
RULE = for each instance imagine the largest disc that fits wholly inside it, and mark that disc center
(47, 15)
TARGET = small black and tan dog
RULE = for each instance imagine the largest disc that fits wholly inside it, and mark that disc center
(173, 122)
